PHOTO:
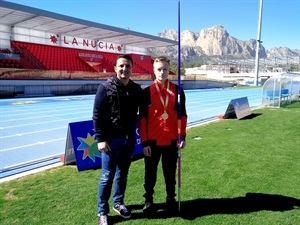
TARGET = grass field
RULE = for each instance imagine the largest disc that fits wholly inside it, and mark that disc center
(234, 172)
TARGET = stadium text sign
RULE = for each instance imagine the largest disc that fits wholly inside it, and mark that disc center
(79, 42)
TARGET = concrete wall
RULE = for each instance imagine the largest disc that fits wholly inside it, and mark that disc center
(9, 88)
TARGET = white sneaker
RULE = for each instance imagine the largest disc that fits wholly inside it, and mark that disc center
(102, 219)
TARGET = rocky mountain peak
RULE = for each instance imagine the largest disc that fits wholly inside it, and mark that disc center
(216, 42)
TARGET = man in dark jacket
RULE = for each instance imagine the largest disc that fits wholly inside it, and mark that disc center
(115, 123)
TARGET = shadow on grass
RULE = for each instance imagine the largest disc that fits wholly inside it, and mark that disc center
(252, 202)
(251, 116)
(294, 104)
(192, 209)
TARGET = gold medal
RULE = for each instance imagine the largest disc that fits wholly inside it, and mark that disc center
(165, 116)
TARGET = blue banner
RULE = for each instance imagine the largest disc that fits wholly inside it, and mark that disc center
(82, 140)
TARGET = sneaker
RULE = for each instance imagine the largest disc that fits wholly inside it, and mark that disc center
(148, 208)
(122, 210)
(102, 219)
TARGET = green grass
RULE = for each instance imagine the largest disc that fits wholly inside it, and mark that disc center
(234, 172)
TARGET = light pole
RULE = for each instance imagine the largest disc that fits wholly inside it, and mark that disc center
(258, 43)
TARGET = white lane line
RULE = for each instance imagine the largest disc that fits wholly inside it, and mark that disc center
(205, 110)
(48, 115)
(9, 113)
(51, 121)
(32, 132)
(33, 144)
(204, 105)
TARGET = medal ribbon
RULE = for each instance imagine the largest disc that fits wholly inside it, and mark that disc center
(164, 103)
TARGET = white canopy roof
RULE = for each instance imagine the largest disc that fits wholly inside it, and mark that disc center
(32, 18)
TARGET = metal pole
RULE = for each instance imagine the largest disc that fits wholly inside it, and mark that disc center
(258, 43)
(179, 113)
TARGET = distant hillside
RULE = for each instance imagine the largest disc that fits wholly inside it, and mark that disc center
(214, 44)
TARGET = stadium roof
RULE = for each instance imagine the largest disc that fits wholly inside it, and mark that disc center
(32, 18)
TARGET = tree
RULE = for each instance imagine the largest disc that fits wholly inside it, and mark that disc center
(174, 68)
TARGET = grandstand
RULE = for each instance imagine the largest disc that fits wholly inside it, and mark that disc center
(38, 44)
(44, 57)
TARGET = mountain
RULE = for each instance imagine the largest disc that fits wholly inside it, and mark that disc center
(214, 44)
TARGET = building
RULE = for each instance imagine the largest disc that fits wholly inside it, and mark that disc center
(36, 39)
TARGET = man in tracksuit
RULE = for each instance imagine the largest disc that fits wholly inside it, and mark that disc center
(158, 127)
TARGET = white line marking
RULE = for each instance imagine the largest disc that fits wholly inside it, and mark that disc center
(33, 144)
(43, 116)
(51, 121)
(33, 132)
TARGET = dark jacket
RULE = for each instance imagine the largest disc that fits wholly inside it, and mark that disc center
(115, 109)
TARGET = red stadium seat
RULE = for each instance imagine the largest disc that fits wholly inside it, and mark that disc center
(68, 59)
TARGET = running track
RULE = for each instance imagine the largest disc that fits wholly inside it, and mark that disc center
(33, 130)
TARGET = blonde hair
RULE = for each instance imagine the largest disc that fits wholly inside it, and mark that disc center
(162, 59)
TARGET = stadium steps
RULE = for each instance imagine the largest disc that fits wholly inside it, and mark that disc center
(39, 56)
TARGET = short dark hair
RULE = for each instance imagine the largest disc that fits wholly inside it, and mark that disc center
(124, 56)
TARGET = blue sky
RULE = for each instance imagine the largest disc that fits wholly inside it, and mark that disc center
(280, 18)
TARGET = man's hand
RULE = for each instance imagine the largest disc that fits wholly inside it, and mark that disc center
(103, 146)
(182, 144)
(147, 151)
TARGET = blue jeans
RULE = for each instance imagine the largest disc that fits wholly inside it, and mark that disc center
(115, 166)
